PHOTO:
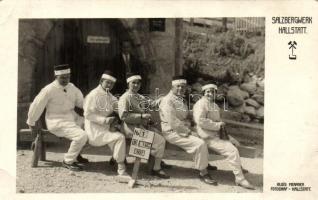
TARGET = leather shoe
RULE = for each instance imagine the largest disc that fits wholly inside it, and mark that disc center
(72, 167)
(160, 173)
(80, 159)
(212, 167)
(113, 162)
(165, 165)
(208, 179)
(124, 175)
(245, 184)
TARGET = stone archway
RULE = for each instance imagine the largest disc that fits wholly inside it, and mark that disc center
(32, 37)
(33, 34)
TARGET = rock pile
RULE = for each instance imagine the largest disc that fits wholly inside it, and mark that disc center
(232, 61)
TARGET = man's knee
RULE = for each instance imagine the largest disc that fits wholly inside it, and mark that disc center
(236, 152)
(200, 143)
(201, 146)
(121, 138)
(230, 147)
(82, 138)
(160, 140)
(231, 150)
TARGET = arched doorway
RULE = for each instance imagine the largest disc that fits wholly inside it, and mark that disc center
(86, 44)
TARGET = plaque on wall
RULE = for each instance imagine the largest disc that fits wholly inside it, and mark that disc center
(98, 39)
(157, 24)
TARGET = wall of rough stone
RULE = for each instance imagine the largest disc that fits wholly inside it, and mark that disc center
(32, 35)
(156, 49)
(164, 55)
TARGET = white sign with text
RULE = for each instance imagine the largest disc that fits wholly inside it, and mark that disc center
(98, 39)
(141, 143)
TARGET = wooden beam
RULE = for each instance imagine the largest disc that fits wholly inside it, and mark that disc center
(178, 46)
(134, 175)
(246, 125)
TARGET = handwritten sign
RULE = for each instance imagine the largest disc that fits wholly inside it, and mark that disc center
(98, 39)
(141, 143)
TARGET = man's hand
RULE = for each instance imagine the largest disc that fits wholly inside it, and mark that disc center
(114, 127)
(185, 134)
(146, 119)
(34, 129)
(187, 123)
(109, 120)
(195, 134)
(146, 116)
(222, 125)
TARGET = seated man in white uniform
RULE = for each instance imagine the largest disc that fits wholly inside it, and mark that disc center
(135, 116)
(60, 98)
(100, 122)
(176, 127)
(206, 114)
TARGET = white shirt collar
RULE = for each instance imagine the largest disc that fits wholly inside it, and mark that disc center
(175, 96)
(58, 85)
(125, 56)
(101, 89)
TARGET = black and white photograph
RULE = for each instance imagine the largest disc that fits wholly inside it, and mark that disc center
(158, 99)
(121, 105)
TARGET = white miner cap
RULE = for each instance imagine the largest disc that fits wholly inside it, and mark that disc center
(179, 80)
(109, 76)
(133, 77)
(62, 69)
(209, 86)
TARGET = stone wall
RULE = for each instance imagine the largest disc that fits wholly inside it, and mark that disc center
(164, 55)
(156, 49)
(32, 35)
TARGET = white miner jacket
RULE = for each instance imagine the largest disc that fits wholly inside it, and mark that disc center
(98, 106)
(59, 102)
(174, 114)
(206, 115)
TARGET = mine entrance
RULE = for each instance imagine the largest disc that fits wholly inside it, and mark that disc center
(86, 44)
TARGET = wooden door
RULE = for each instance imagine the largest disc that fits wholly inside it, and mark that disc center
(68, 43)
(89, 45)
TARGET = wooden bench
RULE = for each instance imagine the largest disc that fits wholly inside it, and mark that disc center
(39, 144)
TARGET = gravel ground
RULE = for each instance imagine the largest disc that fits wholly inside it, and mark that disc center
(99, 177)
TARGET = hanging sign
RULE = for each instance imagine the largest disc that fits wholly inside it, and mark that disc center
(98, 39)
(157, 24)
